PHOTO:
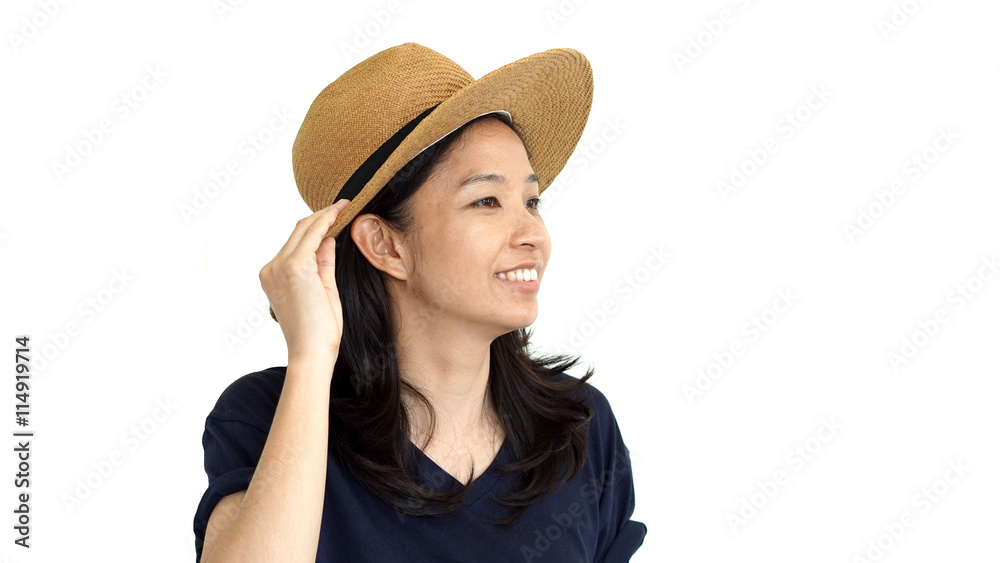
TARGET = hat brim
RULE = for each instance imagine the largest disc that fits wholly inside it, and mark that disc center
(548, 96)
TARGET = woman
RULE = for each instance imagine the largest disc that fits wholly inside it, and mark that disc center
(411, 423)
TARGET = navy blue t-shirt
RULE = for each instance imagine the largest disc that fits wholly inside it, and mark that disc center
(585, 520)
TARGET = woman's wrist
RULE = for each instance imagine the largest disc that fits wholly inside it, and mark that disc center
(302, 362)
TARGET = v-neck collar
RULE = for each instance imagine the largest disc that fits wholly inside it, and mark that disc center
(430, 474)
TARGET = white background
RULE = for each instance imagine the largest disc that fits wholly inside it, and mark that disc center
(653, 184)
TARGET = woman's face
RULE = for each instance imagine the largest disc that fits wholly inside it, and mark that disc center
(475, 217)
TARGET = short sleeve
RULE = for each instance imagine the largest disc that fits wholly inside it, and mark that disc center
(233, 440)
(619, 536)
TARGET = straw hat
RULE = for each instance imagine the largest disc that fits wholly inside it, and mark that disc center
(367, 124)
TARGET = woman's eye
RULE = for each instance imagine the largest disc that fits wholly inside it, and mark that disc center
(533, 203)
(491, 198)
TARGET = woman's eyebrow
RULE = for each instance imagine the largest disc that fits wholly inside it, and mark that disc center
(493, 178)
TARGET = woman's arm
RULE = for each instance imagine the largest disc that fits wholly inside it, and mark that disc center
(278, 517)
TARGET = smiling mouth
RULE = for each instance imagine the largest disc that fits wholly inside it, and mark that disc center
(523, 275)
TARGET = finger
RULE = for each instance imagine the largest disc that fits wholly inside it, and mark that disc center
(316, 231)
(335, 228)
(305, 252)
(326, 261)
(297, 233)
(302, 227)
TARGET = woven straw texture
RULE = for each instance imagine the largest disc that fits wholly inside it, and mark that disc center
(548, 96)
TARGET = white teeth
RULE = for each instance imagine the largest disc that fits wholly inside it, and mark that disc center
(519, 275)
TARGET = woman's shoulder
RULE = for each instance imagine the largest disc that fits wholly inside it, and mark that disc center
(251, 398)
(604, 416)
(592, 394)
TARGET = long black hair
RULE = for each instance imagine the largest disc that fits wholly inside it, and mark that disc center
(544, 419)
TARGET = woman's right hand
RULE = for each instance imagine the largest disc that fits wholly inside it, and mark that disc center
(301, 286)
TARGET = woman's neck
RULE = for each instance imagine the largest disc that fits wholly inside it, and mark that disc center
(454, 378)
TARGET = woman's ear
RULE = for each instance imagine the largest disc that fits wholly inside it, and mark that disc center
(378, 244)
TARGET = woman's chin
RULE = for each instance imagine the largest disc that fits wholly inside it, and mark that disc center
(514, 322)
